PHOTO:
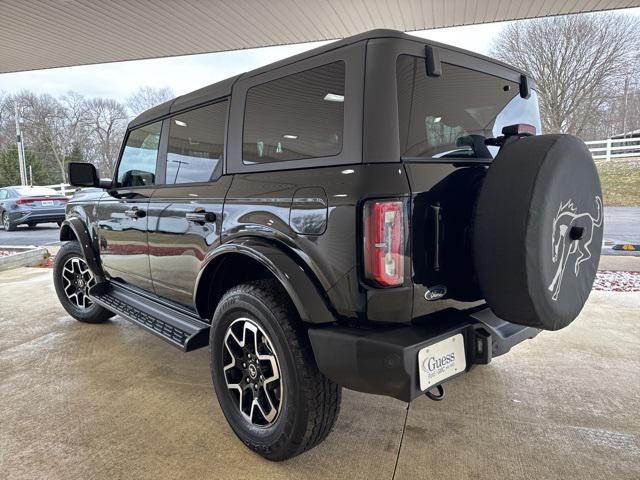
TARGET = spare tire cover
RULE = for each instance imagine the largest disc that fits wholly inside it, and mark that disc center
(538, 231)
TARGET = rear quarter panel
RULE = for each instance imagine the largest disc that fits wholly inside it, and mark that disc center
(259, 204)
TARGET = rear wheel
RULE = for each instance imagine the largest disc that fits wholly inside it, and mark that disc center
(264, 373)
(8, 225)
(73, 281)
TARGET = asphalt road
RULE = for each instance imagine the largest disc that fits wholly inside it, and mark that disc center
(40, 235)
(622, 225)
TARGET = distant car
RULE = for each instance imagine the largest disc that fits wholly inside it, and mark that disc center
(30, 206)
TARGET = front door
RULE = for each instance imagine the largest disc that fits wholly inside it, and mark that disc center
(185, 214)
(122, 216)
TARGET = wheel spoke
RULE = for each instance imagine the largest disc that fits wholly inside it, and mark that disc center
(250, 363)
(77, 281)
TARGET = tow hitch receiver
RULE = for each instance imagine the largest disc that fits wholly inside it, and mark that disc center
(436, 397)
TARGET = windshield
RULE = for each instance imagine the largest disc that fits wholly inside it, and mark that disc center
(450, 116)
(36, 192)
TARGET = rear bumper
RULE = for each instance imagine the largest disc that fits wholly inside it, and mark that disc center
(384, 361)
(42, 216)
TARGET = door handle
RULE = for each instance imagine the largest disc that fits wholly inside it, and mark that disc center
(200, 216)
(135, 212)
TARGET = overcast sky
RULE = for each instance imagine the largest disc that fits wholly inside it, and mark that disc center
(187, 73)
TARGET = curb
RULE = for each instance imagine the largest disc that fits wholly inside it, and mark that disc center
(23, 257)
(628, 247)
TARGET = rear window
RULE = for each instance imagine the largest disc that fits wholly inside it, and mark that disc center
(295, 117)
(451, 115)
(37, 192)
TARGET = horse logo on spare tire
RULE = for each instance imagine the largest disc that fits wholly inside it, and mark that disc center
(572, 235)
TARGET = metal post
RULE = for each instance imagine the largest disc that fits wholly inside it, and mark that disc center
(30, 176)
(21, 164)
(608, 152)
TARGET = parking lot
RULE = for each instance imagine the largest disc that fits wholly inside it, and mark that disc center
(111, 401)
(41, 235)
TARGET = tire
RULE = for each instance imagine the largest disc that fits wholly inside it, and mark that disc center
(79, 307)
(308, 403)
(8, 225)
(538, 231)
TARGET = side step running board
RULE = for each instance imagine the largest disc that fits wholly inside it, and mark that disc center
(178, 328)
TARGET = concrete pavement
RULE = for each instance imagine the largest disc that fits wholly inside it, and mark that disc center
(113, 402)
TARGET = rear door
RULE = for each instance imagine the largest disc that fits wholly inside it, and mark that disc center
(185, 214)
(443, 124)
(122, 216)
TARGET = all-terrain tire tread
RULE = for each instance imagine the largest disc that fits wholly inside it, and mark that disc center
(321, 395)
(97, 314)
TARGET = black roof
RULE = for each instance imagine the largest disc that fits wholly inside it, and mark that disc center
(223, 88)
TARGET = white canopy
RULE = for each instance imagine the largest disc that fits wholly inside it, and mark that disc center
(55, 33)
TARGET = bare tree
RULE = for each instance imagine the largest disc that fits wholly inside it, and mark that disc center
(578, 62)
(106, 120)
(5, 115)
(146, 97)
(53, 126)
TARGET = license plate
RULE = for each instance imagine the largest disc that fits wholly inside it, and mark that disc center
(47, 203)
(441, 360)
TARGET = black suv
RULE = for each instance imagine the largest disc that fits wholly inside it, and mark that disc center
(376, 214)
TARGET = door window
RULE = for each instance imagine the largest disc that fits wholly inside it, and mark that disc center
(295, 117)
(3, 194)
(196, 144)
(138, 163)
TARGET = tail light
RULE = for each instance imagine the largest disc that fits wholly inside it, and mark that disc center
(384, 242)
(29, 200)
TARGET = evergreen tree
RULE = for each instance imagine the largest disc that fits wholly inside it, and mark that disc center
(10, 171)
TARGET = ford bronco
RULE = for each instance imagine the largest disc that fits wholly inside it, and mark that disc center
(381, 213)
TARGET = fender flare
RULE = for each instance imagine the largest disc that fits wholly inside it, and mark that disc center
(297, 282)
(79, 229)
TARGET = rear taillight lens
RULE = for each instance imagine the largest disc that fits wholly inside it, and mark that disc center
(384, 242)
(24, 201)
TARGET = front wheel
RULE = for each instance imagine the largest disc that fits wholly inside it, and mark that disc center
(264, 373)
(73, 280)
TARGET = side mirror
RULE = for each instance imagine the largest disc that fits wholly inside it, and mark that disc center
(82, 174)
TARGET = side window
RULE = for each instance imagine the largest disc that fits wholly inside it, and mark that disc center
(3, 194)
(138, 164)
(196, 144)
(295, 117)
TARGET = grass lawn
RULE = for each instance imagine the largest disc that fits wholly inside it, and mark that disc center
(620, 179)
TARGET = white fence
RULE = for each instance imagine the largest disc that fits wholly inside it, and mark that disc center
(63, 188)
(617, 148)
